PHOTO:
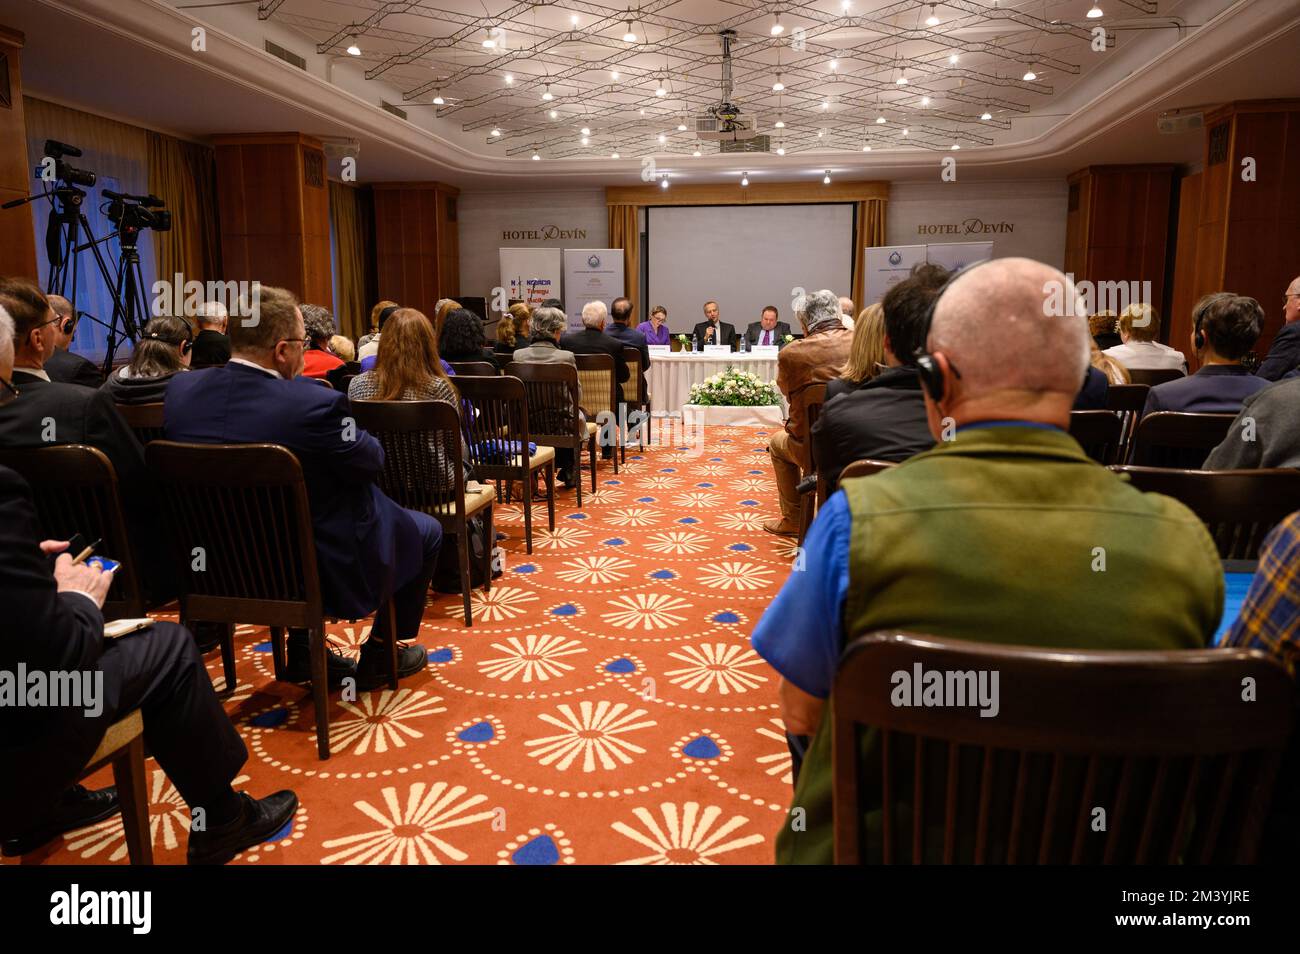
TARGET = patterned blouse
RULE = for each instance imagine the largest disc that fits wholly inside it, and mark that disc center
(365, 387)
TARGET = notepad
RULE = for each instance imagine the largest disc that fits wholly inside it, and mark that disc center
(121, 627)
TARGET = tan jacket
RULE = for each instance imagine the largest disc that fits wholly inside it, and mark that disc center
(814, 359)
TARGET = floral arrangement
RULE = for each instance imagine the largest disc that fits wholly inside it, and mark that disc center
(789, 338)
(732, 388)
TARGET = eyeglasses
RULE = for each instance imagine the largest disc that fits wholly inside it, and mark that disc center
(8, 393)
(301, 341)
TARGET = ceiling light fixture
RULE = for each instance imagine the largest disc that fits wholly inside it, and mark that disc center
(925, 100)
(905, 130)
(613, 74)
(933, 19)
(880, 120)
(744, 179)
(777, 28)
(496, 132)
(866, 148)
(826, 179)
(573, 18)
(778, 85)
(780, 123)
(1095, 12)
(586, 141)
(353, 49)
(952, 60)
(661, 90)
(437, 98)
(696, 154)
(509, 79)
(535, 154)
(554, 114)
(489, 41)
(835, 64)
(955, 147)
(613, 155)
(986, 115)
(663, 183)
(1030, 75)
(662, 138)
(547, 96)
(902, 78)
(629, 36)
(681, 127)
(586, 130)
(780, 150)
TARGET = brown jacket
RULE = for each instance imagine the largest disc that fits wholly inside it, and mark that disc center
(814, 359)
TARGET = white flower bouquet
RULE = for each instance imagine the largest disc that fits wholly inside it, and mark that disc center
(732, 388)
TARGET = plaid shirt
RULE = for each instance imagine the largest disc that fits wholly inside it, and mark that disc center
(1270, 617)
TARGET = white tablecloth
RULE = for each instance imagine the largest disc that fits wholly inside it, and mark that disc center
(671, 375)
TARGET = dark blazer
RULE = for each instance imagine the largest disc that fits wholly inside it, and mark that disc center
(42, 748)
(494, 358)
(632, 338)
(210, 347)
(354, 523)
(755, 331)
(726, 335)
(1283, 354)
(883, 418)
(73, 369)
(590, 341)
(1215, 389)
(1092, 396)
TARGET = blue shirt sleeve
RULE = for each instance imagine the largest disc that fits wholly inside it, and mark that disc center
(800, 633)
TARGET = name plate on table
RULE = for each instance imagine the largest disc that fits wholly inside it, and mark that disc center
(765, 351)
(717, 351)
(659, 349)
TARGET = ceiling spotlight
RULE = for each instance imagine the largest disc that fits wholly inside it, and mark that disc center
(613, 74)
(554, 114)
(629, 36)
(1030, 75)
(986, 115)
(777, 27)
(821, 133)
(744, 179)
(933, 19)
(661, 90)
(696, 154)
(496, 132)
(509, 79)
(905, 130)
(953, 59)
(547, 96)
(663, 138)
(573, 19)
(586, 141)
(681, 127)
(902, 79)
(835, 64)
(1095, 12)
(586, 131)
(955, 147)
(353, 49)
(780, 123)
(826, 104)
(780, 150)
(643, 112)
(880, 120)
(535, 155)
(826, 179)
(613, 155)
(845, 5)
(925, 100)
(489, 41)
(778, 85)
(437, 99)
(866, 148)
(663, 183)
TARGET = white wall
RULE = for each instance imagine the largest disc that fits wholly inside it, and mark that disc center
(483, 217)
(1034, 209)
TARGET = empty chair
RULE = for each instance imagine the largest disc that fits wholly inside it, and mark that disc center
(1238, 507)
(1153, 376)
(424, 470)
(553, 412)
(474, 368)
(599, 392)
(1099, 433)
(1128, 400)
(1178, 439)
(145, 419)
(494, 415)
(1156, 744)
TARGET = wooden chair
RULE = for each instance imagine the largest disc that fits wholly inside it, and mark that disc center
(1239, 507)
(424, 470)
(146, 420)
(640, 400)
(1099, 433)
(599, 391)
(1178, 439)
(474, 368)
(76, 491)
(123, 748)
(1154, 376)
(553, 412)
(243, 508)
(1159, 741)
(494, 415)
(1127, 400)
(814, 397)
(864, 468)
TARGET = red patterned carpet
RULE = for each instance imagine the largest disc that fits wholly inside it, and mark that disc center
(605, 707)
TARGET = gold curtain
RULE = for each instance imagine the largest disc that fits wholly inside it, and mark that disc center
(352, 211)
(183, 174)
(623, 233)
(870, 231)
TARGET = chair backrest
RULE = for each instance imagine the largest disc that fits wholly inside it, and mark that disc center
(1127, 397)
(474, 368)
(1164, 431)
(1093, 756)
(1099, 433)
(552, 394)
(1154, 376)
(494, 417)
(1238, 507)
(814, 396)
(75, 490)
(596, 385)
(423, 464)
(145, 419)
(240, 528)
(865, 468)
(322, 382)
(634, 376)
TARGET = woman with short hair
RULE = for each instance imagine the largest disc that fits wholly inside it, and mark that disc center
(656, 329)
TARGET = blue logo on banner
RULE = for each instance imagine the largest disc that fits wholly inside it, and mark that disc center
(593, 261)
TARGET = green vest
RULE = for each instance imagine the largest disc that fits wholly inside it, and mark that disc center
(1011, 535)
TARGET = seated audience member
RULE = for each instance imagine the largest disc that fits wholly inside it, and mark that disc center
(367, 548)
(1265, 433)
(1224, 328)
(1115, 372)
(548, 326)
(713, 330)
(522, 316)
(1102, 326)
(507, 336)
(814, 359)
(1138, 327)
(884, 417)
(163, 351)
(463, 339)
(369, 344)
(342, 346)
(64, 365)
(988, 536)
(593, 340)
(1093, 395)
(655, 331)
(846, 312)
(866, 355)
(1270, 616)
(620, 313)
(317, 360)
(1283, 356)
(212, 343)
(441, 309)
(768, 330)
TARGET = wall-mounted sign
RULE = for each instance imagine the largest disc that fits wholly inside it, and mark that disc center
(547, 233)
(973, 226)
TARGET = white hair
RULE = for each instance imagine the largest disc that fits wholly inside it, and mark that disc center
(7, 331)
(846, 305)
(594, 314)
(211, 313)
(819, 306)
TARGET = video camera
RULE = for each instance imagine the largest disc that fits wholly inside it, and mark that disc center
(135, 212)
(56, 150)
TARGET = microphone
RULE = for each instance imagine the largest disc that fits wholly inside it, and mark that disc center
(60, 149)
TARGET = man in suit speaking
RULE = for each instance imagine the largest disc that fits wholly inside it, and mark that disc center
(711, 331)
(368, 549)
(767, 330)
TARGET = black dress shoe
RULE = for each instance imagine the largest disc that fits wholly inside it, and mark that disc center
(76, 808)
(259, 820)
(298, 666)
(372, 671)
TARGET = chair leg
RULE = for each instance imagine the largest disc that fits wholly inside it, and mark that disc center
(528, 511)
(806, 504)
(228, 657)
(320, 688)
(487, 550)
(462, 533)
(550, 493)
(128, 776)
(591, 454)
(278, 659)
(390, 639)
(577, 464)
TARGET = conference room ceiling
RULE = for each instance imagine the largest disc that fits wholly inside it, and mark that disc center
(1082, 107)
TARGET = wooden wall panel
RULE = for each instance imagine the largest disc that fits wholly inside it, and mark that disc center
(1184, 293)
(17, 239)
(414, 242)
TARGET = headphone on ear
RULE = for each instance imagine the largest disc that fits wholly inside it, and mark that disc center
(185, 343)
(1199, 338)
(67, 325)
(927, 369)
